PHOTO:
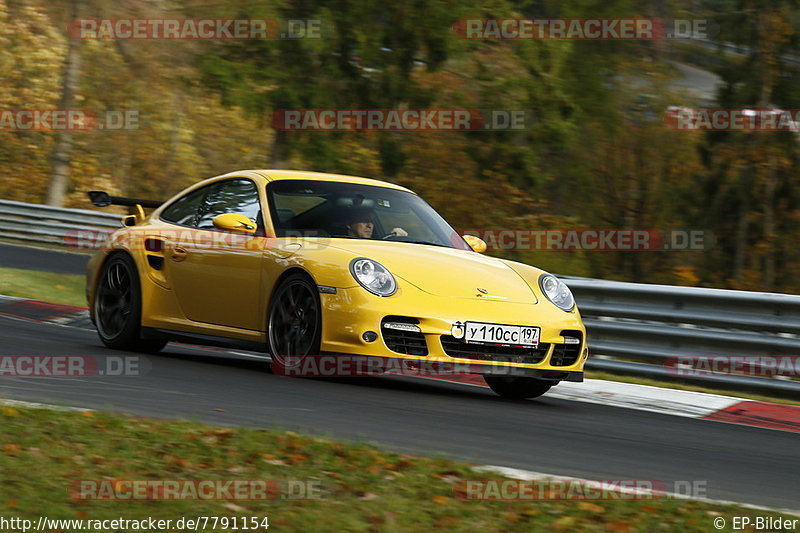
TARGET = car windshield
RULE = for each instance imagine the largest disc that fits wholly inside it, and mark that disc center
(309, 208)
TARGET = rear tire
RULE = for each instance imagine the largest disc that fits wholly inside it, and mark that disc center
(518, 388)
(118, 307)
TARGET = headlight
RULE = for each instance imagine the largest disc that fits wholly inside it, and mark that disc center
(557, 292)
(373, 276)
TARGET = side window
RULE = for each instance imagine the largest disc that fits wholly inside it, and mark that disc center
(230, 196)
(291, 209)
(184, 210)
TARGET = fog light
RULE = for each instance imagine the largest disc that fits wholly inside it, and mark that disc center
(369, 336)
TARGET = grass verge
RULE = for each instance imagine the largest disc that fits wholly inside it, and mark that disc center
(66, 289)
(44, 452)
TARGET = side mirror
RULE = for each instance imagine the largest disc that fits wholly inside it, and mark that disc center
(234, 222)
(476, 243)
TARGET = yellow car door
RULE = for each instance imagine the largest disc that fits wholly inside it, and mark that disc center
(215, 269)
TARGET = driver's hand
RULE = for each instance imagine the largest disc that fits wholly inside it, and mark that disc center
(400, 232)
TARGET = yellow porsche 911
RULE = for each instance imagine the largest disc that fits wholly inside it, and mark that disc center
(299, 264)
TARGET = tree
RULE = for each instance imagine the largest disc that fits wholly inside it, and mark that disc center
(59, 178)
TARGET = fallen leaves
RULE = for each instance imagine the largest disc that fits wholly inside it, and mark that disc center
(447, 522)
(563, 523)
(402, 464)
(592, 507)
(619, 527)
(180, 462)
(11, 449)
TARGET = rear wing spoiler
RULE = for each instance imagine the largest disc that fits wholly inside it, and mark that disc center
(103, 199)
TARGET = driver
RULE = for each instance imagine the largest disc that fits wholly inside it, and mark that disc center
(360, 223)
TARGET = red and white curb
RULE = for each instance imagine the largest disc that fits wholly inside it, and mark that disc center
(643, 397)
(682, 403)
(700, 405)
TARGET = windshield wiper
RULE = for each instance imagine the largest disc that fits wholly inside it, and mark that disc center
(426, 242)
(382, 240)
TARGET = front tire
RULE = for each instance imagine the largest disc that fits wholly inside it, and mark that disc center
(118, 307)
(295, 322)
(518, 388)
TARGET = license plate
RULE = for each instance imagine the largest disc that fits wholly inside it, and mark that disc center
(482, 333)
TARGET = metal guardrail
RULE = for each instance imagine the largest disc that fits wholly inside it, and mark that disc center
(44, 224)
(735, 49)
(633, 328)
(673, 333)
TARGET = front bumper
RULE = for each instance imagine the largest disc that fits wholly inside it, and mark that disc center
(351, 312)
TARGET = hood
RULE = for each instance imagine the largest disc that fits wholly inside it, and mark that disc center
(445, 271)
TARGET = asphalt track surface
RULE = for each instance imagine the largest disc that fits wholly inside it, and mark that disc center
(738, 463)
(24, 257)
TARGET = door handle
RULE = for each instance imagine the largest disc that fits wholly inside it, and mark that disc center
(179, 254)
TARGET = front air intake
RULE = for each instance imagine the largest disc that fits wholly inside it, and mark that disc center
(459, 349)
(403, 335)
(567, 354)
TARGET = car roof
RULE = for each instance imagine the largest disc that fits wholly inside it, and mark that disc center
(276, 175)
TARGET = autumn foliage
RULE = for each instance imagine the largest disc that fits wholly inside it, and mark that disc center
(594, 153)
